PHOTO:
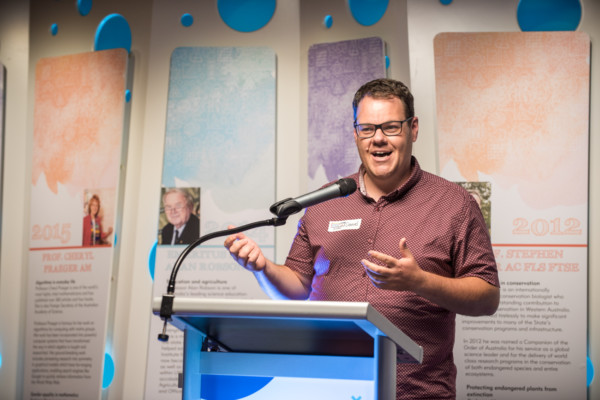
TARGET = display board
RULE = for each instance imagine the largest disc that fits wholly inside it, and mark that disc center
(78, 134)
(220, 150)
(513, 127)
(335, 72)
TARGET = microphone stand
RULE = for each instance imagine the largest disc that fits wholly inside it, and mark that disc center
(166, 305)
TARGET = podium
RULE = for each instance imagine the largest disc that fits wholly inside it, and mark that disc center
(289, 338)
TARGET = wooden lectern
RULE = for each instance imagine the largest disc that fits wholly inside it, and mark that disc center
(289, 338)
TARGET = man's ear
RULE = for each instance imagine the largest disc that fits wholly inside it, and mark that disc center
(414, 128)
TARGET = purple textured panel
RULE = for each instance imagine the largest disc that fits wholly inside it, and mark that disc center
(335, 72)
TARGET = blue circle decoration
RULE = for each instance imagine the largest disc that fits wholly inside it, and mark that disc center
(152, 259)
(544, 15)
(246, 15)
(113, 32)
(127, 96)
(109, 371)
(0, 360)
(367, 12)
(230, 387)
(445, 2)
(53, 29)
(328, 21)
(187, 20)
(590, 371)
(84, 7)
(387, 62)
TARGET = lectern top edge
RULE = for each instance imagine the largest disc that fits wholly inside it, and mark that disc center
(362, 314)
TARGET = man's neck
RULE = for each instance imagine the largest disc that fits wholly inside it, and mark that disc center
(377, 188)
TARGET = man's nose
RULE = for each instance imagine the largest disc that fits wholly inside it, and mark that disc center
(379, 136)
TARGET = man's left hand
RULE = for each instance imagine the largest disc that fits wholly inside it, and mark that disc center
(393, 273)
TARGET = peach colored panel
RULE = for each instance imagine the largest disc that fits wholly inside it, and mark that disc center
(515, 106)
(78, 119)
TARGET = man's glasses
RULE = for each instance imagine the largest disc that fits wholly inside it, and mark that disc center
(390, 128)
(177, 208)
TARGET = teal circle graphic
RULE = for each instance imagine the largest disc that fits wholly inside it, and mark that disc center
(590, 371)
(445, 2)
(113, 32)
(152, 259)
(84, 7)
(246, 15)
(127, 96)
(53, 29)
(109, 371)
(387, 62)
(328, 21)
(230, 387)
(367, 12)
(544, 15)
(187, 20)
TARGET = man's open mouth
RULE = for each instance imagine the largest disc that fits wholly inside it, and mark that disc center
(381, 153)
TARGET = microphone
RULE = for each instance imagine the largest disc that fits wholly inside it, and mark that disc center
(287, 207)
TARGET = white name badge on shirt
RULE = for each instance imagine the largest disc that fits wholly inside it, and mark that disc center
(335, 226)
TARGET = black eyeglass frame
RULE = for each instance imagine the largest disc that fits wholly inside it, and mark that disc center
(380, 126)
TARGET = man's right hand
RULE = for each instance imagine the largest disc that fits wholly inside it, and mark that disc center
(245, 251)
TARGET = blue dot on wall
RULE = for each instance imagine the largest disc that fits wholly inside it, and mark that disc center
(84, 7)
(387, 62)
(367, 12)
(0, 360)
(187, 20)
(109, 371)
(113, 32)
(53, 29)
(328, 21)
(544, 15)
(127, 96)
(590, 371)
(152, 259)
(445, 2)
(246, 15)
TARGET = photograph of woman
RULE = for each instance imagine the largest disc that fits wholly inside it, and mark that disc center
(93, 233)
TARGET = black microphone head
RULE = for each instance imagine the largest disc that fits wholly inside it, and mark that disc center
(347, 186)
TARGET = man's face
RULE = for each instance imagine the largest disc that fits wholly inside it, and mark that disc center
(385, 158)
(176, 209)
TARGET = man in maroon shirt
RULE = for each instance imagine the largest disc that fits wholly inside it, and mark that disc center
(412, 244)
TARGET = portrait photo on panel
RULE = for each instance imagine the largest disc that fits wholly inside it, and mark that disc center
(481, 192)
(98, 217)
(179, 219)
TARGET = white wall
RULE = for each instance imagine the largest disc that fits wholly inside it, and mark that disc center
(156, 31)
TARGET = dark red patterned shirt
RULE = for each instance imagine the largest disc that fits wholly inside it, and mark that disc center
(446, 233)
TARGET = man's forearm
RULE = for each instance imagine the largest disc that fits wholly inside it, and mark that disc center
(280, 282)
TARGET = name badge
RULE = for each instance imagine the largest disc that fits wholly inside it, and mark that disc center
(335, 226)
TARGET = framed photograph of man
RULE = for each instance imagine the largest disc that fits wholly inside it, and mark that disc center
(179, 219)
